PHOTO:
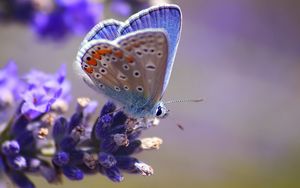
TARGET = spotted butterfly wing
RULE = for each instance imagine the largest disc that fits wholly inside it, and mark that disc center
(128, 69)
(107, 29)
(151, 60)
(167, 17)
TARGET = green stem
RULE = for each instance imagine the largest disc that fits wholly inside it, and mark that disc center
(4, 135)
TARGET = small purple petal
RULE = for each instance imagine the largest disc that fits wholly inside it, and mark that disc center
(119, 118)
(102, 126)
(108, 145)
(126, 163)
(19, 126)
(130, 149)
(108, 108)
(19, 179)
(114, 174)
(59, 129)
(17, 163)
(75, 121)
(107, 160)
(61, 158)
(120, 129)
(10, 148)
(73, 173)
(90, 109)
(26, 141)
(68, 144)
(76, 157)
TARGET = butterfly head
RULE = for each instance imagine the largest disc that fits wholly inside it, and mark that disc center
(161, 110)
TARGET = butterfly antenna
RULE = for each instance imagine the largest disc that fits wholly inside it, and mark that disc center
(184, 100)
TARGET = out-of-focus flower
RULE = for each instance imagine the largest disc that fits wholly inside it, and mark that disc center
(11, 87)
(21, 10)
(68, 17)
(121, 7)
(126, 8)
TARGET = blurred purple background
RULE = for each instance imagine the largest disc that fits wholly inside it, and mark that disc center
(243, 58)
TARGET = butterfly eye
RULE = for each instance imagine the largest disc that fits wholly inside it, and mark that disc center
(161, 112)
(158, 111)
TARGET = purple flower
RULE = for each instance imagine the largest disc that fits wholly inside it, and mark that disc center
(36, 102)
(121, 7)
(10, 85)
(77, 146)
(69, 17)
(43, 91)
(109, 144)
(126, 8)
(10, 148)
(20, 10)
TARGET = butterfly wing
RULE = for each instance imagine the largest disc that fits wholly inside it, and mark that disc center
(167, 17)
(128, 68)
(108, 29)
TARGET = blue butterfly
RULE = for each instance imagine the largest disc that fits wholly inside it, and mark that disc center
(131, 61)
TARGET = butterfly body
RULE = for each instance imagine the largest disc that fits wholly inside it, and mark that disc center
(131, 62)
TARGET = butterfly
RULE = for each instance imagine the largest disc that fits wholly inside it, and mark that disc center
(131, 62)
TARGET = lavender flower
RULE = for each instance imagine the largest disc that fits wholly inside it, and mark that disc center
(43, 91)
(126, 8)
(11, 87)
(121, 7)
(105, 146)
(20, 10)
(76, 146)
(75, 17)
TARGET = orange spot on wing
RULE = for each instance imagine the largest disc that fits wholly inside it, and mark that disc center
(129, 59)
(97, 56)
(92, 62)
(89, 70)
(128, 48)
(119, 54)
(104, 51)
(136, 45)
